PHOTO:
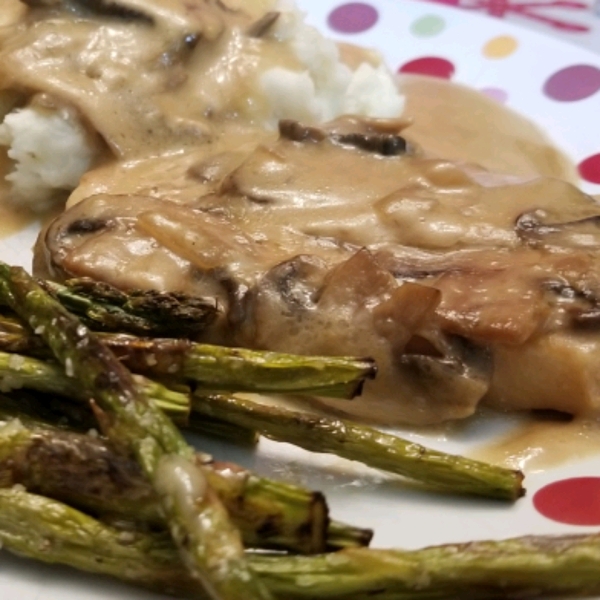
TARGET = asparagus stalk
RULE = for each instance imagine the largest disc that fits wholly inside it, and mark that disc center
(18, 371)
(106, 308)
(219, 368)
(15, 337)
(209, 545)
(528, 567)
(366, 445)
(317, 434)
(51, 411)
(88, 473)
(46, 530)
(340, 536)
(23, 372)
(81, 470)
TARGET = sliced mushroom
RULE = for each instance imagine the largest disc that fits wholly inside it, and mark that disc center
(103, 238)
(122, 9)
(537, 228)
(375, 138)
(581, 304)
(357, 308)
(453, 384)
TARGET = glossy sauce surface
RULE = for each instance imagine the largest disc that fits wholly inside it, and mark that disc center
(451, 121)
(171, 157)
(543, 442)
(454, 122)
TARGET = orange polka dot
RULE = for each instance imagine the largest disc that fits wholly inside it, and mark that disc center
(500, 46)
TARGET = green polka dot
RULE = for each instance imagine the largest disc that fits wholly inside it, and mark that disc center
(428, 26)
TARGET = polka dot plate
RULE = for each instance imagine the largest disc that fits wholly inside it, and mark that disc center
(555, 83)
(558, 86)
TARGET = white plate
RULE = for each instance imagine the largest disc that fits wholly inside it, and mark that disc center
(519, 63)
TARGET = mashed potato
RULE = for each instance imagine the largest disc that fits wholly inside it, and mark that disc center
(51, 150)
(301, 76)
(326, 87)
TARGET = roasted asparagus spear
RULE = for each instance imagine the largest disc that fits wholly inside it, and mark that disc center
(317, 434)
(366, 445)
(37, 527)
(18, 371)
(46, 376)
(528, 567)
(218, 368)
(210, 546)
(85, 471)
(106, 308)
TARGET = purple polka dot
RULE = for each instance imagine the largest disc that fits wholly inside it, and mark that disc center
(496, 94)
(353, 17)
(573, 83)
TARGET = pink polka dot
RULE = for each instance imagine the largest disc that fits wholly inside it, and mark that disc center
(589, 168)
(573, 83)
(353, 17)
(496, 94)
(573, 501)
(429, 65)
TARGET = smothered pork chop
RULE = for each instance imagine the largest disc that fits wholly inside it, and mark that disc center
(224, 165)
(342, 239)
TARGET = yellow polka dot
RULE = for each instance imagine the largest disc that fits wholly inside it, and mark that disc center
(500, 47)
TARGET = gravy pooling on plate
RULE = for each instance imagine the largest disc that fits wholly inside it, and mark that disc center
(542, 442)
(454, 122)
(452, 249)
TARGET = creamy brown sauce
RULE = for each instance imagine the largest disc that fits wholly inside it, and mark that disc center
(447, 120)
(13, 218)
(446, 214)
(543, 442)
(12, 12)
(454, 122)
(451, 229)
(466, 132)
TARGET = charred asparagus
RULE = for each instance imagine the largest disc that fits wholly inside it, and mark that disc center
(528, 567)
(18, 371)
(317, 434)
(104, 307)
(218, 368)
(366, 445)
(86, 472)
(209, 545)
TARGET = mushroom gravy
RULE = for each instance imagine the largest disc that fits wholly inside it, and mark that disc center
(450, 244)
